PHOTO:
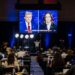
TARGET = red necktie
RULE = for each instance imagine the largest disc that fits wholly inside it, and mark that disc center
(29, 28)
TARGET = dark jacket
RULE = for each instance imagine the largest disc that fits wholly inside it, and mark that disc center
(23, 27)
(44, 26)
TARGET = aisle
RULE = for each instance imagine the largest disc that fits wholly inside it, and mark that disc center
(35, 69)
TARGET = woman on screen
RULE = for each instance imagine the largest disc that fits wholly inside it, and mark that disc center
(48, 23)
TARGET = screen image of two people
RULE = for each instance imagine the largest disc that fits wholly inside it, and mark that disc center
(45, 23)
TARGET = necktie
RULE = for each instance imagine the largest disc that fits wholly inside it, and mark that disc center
(29, 28)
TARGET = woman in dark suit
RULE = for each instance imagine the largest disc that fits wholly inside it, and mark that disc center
(48, 23)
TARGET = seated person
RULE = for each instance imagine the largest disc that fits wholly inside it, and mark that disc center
(11, 60)
(58, 63)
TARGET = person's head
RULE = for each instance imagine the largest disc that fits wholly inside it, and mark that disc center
(49, 50)
(48, 18)
(70, 52)
(28, 16)
(5, 45)
(9, 50)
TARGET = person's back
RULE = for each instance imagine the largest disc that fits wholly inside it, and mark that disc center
(11, 61)
(58, 63)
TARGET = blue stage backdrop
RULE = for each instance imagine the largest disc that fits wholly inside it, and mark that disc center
(47, 40)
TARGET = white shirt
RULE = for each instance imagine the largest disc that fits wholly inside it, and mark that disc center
(48, 26)
(27, 25)
(37, 43)
(64, 55)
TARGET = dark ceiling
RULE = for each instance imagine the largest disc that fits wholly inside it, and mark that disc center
(67, 13)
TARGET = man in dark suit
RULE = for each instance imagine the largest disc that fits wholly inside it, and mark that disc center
(48, 24)
(28, 26)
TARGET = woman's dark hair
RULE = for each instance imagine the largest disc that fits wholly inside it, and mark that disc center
(11, 59)
(58, 62)
(50, 16)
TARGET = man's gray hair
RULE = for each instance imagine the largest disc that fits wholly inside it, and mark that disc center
(28, 13)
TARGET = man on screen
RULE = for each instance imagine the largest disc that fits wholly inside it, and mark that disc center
(48, 23)
(28, 25)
